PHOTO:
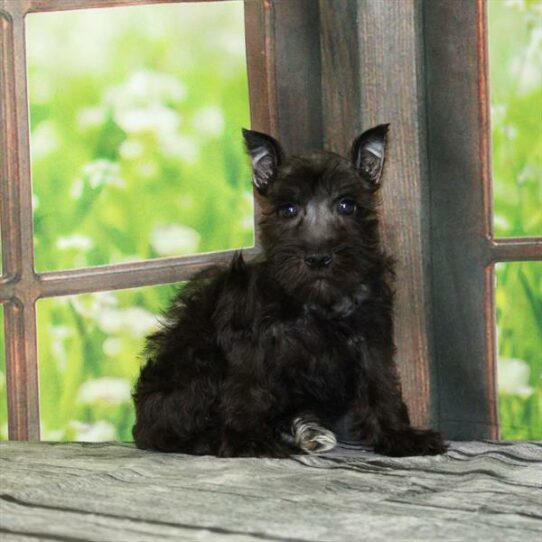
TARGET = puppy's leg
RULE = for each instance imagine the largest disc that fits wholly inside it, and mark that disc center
(382, 416)
(308, 435)
(249, 427)
(175, 418)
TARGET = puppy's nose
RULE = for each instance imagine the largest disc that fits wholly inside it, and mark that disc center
(318, 260)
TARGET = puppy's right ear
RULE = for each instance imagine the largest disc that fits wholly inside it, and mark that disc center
(368, 152)
(266, 155)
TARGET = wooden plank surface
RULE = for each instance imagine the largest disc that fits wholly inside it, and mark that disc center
(112, 491)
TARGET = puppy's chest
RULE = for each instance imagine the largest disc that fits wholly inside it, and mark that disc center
(312, 342)
(313, 360)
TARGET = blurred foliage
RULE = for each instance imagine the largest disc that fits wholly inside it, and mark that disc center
(136, 153)
(136, 134)
(516, 115)
(90, 351)
(515, 49)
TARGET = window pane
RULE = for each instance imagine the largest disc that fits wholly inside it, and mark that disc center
(136, 133)
(3, 382)
(519, 327)
(515, 51)
(89, 357)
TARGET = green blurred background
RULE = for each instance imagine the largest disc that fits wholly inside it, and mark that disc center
(515, 54)
(136, 154)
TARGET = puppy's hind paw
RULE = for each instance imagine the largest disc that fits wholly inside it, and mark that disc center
(311, 437)
(411, 442)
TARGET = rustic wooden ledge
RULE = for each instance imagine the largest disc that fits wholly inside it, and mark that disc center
(112, 491)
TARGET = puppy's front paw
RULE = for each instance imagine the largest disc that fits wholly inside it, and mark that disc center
(312, 437)
(410, 442)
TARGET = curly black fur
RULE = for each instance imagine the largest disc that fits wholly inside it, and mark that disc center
(305, 333)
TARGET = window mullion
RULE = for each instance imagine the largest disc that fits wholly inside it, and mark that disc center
(133, 274)
(17, 238)
(515, 249)
(61, 5)
(22, 371)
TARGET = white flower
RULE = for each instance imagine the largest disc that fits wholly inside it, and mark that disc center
(108, 390)
(147, 169)
(134, 321)
(131, 149)
(138, 104)
(174, 240)
(41, 86)
(139, 322)
(44, 139)
(232, 44)
(501, 222)
(95, 174)
(77, 189)
(102, 171)
(155, 119)
(520, 4)
(90, 117)
(181, 147)
(209, 121)
(528, 172)
(59, 334)
(112, 346)
(513, 377)
(78, 242)
(96, 432)
(498, 113)
(146, 87)
(90, 306)
(510, 131)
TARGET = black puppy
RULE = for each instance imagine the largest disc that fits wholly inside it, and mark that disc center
(263, 359)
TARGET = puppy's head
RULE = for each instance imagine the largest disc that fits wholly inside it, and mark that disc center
(318, 225)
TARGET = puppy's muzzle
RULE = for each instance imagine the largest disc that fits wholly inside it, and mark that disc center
(318, 260)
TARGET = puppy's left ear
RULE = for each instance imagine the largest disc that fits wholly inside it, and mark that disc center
(368, 151)
(266, 155)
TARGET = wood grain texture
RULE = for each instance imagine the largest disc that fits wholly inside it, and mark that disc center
(259, 38)
(370, 77)
(283, 50)
(341, 63)
(17, 236)
(114, 492)
(297, 74)
(460, 214)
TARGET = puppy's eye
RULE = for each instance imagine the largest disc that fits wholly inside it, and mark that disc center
(288, 210)
(346, 207)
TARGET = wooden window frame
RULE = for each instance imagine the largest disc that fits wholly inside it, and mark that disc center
(319, 73)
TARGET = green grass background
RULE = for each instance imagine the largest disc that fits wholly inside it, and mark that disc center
(136, 154)
(515, 50)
